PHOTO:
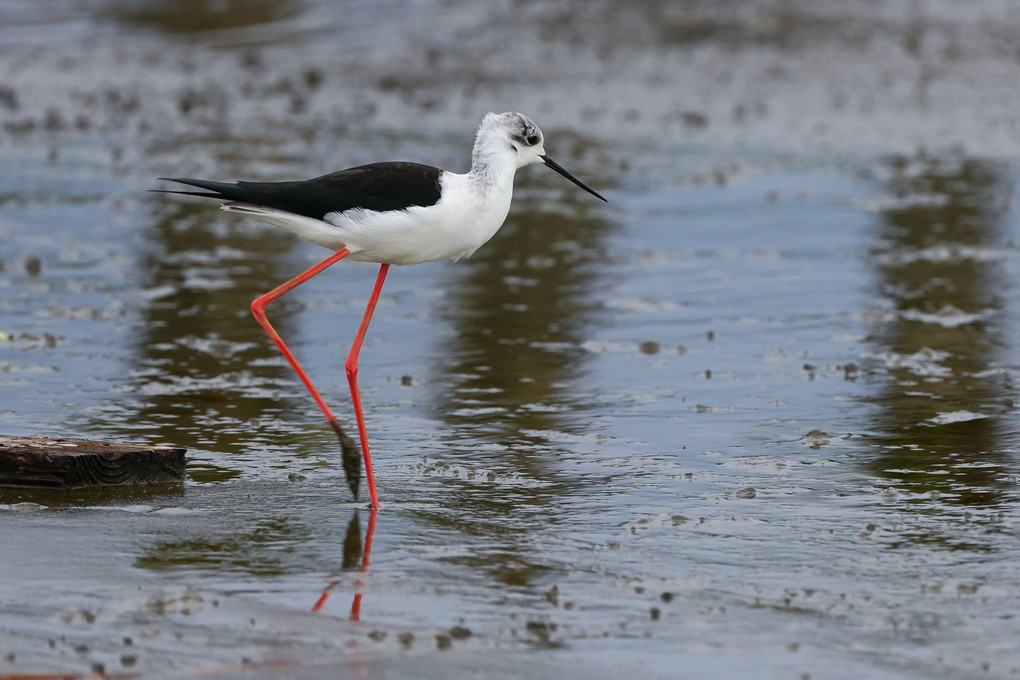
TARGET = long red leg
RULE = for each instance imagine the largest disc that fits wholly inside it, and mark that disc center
(352, 379)
(351, 458)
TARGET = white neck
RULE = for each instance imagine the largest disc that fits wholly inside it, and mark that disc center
(493, 164)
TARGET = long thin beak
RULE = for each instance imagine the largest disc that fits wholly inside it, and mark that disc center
(559, 168)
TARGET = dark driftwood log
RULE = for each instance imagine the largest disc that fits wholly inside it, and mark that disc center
(80, 463)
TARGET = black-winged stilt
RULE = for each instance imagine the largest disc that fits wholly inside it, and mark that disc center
(390, 213)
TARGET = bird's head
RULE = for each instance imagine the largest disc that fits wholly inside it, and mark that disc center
(514, 133)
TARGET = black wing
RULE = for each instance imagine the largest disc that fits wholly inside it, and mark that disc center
(378, 186)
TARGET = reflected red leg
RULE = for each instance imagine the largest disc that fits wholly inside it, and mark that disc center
(320, 603)
(258, 308)
(366, 552)
(356, 603)
(352, 379)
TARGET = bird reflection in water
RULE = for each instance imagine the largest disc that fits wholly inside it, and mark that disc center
(356, 555)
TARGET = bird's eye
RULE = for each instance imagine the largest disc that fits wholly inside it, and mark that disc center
(532, 140)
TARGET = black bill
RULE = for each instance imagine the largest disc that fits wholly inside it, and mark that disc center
(559, 168)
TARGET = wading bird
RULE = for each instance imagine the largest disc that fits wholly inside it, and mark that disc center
(389, 213)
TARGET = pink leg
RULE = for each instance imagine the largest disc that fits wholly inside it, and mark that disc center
(351, 459)
(352, 378)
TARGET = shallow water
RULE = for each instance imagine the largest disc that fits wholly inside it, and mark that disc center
(754, 416)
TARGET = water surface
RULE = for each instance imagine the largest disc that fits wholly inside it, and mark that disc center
(754, 416)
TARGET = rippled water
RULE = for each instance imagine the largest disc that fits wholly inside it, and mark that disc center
(754, 416)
